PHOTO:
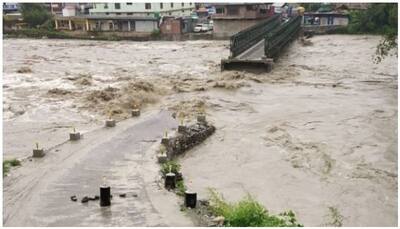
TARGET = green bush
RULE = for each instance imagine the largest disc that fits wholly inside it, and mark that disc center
(170, 166)
(156, 33)
(34, 14)
(180, 188)
(7, 164)
(249, 213)
(6, 168)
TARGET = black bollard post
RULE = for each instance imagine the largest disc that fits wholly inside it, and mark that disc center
(170, 181)
(135, 112)
(190, 199)
(105, 195)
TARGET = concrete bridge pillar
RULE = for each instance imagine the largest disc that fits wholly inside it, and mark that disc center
(87, 25)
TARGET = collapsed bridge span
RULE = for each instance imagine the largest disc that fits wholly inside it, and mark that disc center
(259, 45)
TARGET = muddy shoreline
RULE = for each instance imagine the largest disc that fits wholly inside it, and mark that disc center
(319, 132)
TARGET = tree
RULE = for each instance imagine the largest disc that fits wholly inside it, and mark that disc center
(34, 14)
(379, 18)
(389, 41)
(311, 7)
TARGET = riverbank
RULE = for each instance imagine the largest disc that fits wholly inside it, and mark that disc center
(105, 36)
(317, 133)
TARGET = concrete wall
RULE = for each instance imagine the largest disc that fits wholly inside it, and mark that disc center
(171, 26)
(145, 26)
(341, 21)
(252, 11)
(226, 28)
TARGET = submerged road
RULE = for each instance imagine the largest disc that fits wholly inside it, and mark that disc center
(38, 193)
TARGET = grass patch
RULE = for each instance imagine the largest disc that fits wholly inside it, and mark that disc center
(336, 219)
(180, 188)
(174, 167)
(249, 213)
(7, 164)
(170, 166)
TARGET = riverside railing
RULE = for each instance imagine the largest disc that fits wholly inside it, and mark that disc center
(246, 38)
(280, 36)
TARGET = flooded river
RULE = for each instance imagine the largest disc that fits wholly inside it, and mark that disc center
(317, 135)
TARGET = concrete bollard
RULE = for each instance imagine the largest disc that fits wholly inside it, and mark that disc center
(190, 199)
(105, 195)
(170, 181)
(110, 122)
(73, 136)
(201, 118)
(135, 112)
(165, 139)
(38, 152)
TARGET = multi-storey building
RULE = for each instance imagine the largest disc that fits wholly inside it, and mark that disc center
(10, 7)
(231, 18)
(143, 9)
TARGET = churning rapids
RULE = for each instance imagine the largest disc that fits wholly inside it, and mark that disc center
(317, 135)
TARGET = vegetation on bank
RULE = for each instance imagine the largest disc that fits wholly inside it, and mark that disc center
(377, 19)
(170, 167)
(7, 164)
(37, 33)
(35, 14)
(174, 167)
(335, 218)
(249, 213)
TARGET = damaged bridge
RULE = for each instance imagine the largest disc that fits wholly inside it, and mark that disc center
(259, 45)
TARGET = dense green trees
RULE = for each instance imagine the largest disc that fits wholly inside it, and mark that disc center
(311, 7)
(34, 14)
(379, 18)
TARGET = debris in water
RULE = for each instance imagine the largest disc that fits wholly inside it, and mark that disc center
(24, 70)
(58, 91)
(85, 199)
(73, 198)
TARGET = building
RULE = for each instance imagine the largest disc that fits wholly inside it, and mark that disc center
(13, 21)
(143, 9)
(324, 22)
(106, 23)
(69, 9)
(177, 25)
(326, 19)
(10, 8)
(59, 8)
(230, 18)
(74, 18)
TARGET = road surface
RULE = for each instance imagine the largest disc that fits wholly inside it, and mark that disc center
(38, 193)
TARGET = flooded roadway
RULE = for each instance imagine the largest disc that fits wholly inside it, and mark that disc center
(317, 133)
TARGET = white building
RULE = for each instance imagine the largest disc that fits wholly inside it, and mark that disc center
(143, 9)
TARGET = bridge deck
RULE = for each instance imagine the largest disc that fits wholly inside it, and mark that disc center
(256, 52)
(252, 57)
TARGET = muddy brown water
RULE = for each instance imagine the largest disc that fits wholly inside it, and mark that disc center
(317, 133)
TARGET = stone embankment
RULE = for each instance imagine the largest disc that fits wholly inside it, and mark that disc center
(187, 137)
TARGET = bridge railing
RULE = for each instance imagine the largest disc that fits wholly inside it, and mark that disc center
(246, 38)
(280, 36)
